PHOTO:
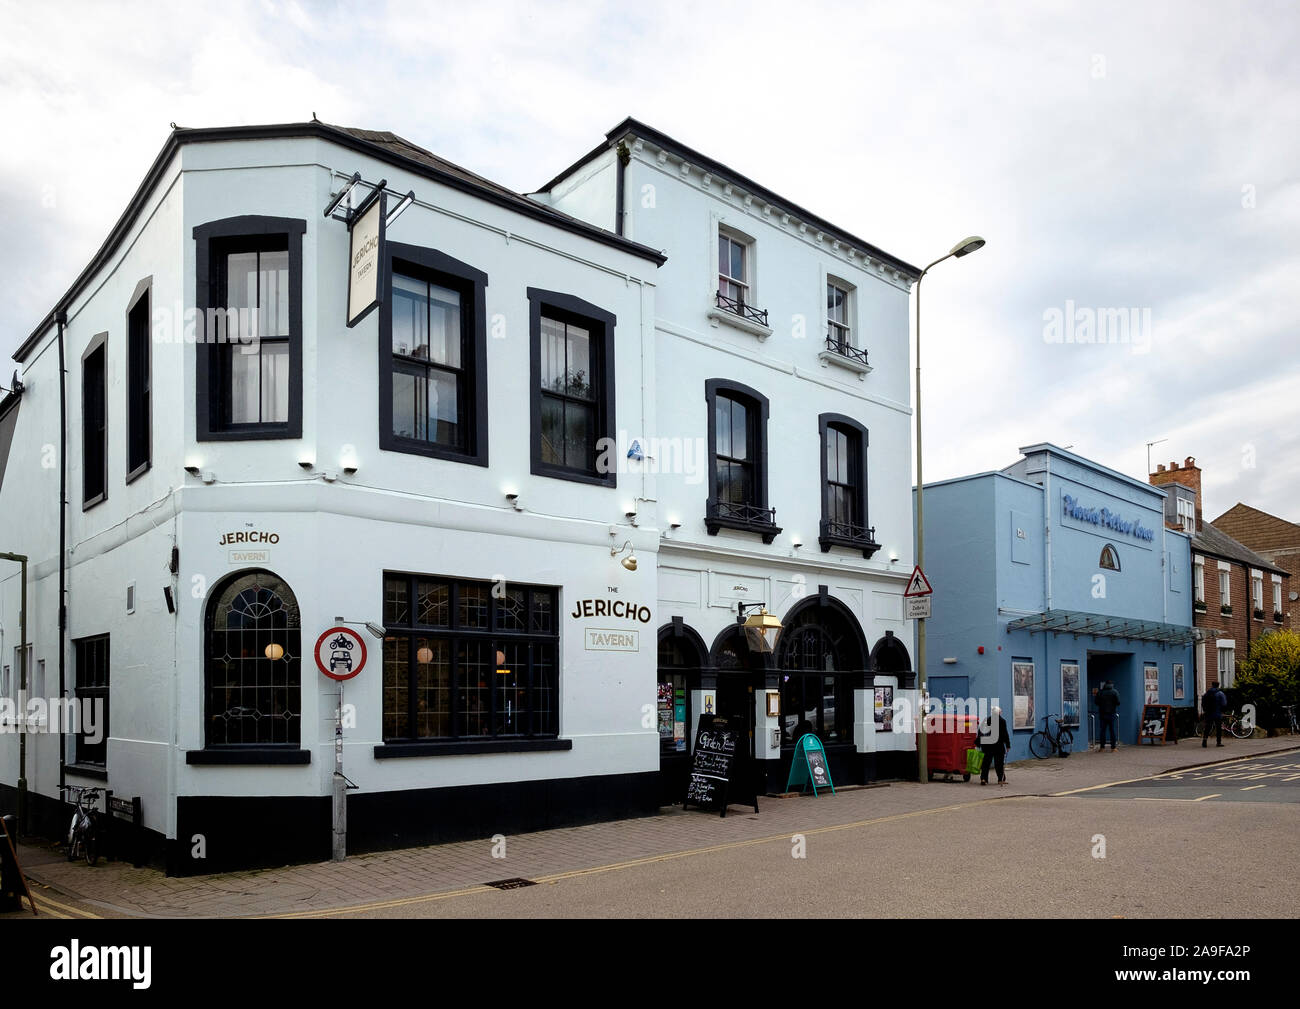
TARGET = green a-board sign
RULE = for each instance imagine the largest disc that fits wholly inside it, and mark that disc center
(808, 766)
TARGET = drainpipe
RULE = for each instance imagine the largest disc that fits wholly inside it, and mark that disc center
(22, 693)
(624, 156)
(1047, 527)
(61, 319)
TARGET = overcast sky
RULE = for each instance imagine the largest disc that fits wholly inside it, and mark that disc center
(1115, 155)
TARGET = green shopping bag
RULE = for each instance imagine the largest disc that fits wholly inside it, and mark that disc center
(974, 760)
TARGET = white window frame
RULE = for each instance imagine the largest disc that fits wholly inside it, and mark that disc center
(1257, 590)
(1198, 581)
(1277, 593)
(848, 326)
(1227, 673)
(1225, 586)
(746, 282)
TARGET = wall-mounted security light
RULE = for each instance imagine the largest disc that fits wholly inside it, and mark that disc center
(893, 557)
(342, 194)
(512, 499)
(350, 470)
(397, 211)
(674, 523)
(950, 660)
(378, 630)
(796, 541)
(307, 464)
(192, 470)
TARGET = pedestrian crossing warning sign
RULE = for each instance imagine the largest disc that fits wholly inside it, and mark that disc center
(918, 584)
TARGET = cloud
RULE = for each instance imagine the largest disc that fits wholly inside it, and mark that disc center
(1113, 155)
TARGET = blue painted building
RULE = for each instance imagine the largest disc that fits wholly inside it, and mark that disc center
(1051, 576)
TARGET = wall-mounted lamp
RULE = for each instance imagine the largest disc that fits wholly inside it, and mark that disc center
(512, 498)
(397, 211)
(629, 561)
(378, 630)
(674, 524)
(950, 660)
(762, 629)
(893, 557)
(342, 194)
(192, 470)
(796, 541)
(349, 471)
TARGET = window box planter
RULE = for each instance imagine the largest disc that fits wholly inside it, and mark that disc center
(1277, 616)
(1199, 606)
(1225, 609)
(1259, 614)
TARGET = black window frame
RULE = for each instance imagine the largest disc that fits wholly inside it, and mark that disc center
(600, 325)
(471, 284)
(858, 535)
(762, 516)
(139, 381)
(87, 753)
(492, 633)
(94, 421)
(1109, 559)
(257, 750)
(214, 240)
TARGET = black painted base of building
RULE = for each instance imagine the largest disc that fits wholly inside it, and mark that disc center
(48, 818)
(224, 833)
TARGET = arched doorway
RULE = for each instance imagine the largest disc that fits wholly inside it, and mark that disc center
(682, 656)
(821, 660)
(252, 672)
(889, 655)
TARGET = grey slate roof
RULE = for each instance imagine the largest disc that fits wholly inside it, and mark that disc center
(1210, 540)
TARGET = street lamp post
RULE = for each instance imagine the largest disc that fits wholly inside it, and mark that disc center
(963, 248)
(22, 691)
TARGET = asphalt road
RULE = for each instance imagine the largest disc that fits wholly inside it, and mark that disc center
(1263, 779)
(1018, 857)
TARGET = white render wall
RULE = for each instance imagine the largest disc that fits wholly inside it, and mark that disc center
(669, 206)
(398, 511)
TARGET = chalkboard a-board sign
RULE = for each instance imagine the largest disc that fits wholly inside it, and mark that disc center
(1157, 723)
(718, 769)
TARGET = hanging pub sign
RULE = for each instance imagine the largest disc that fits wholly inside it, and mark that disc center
(366, 230)
(719, 775)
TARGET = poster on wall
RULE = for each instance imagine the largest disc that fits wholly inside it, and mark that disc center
(1180, 686)
(1022, 693)
(885, 709)
(1151, 674)
(1070, 694)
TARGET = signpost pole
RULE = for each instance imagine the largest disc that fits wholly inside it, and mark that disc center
(340, 787)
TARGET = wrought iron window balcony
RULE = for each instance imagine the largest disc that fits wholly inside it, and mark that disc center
(742, 516)
(848, 534)
(740, 308)
(838, 343)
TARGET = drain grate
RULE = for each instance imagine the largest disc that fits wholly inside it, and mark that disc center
(511, 884)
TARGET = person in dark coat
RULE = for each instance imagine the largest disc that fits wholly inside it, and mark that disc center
(1108, 715)
(995, 741)
(1213, 704)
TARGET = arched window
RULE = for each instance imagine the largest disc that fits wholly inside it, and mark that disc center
(1109, 558)
(253, 665)
(819, 645)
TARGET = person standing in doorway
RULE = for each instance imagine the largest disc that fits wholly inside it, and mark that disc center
(995, 741)
(1213, 702)
(1108, 715)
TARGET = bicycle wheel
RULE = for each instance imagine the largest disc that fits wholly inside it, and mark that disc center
(90, 847)
(1040, 745)
(1238, 729)
(1064, 740)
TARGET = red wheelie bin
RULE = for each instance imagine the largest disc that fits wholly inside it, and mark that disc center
(948, 737)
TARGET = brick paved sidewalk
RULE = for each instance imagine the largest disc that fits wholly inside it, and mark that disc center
(117, 888)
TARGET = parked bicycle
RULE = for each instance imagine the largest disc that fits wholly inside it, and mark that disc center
(1293, 726)
(1043, 744)
(1232, 724)
(83, 832)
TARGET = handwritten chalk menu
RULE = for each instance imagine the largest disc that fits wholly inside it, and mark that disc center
(817, 767)
(714, 766)
(1157, 723)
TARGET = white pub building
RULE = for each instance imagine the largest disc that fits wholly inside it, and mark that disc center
(343, 471)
